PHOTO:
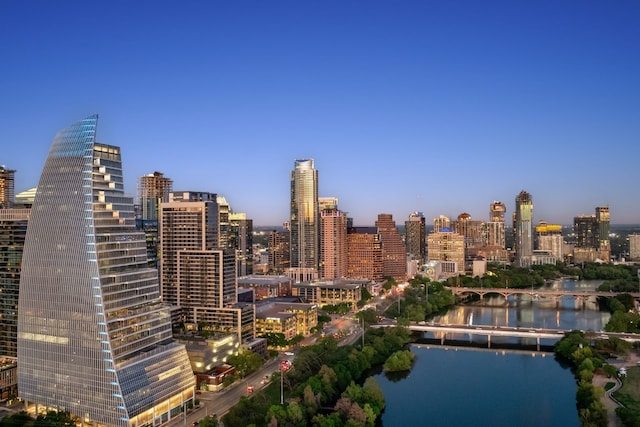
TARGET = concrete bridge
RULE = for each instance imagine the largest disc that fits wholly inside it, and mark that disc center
(578, 294)
(443, 331)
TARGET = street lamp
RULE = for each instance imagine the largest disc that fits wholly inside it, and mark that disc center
(281, 386)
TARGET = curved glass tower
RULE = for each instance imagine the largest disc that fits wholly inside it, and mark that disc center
(94, 338)
(305, 215)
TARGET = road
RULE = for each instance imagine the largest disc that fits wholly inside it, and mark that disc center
(219, 402)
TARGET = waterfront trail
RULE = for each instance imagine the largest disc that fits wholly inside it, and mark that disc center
(600, 380)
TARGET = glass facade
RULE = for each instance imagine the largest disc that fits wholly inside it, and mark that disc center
(305, 216)
(94, 338)
(523, 229)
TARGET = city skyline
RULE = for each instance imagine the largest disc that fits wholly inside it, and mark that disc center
(423, 106)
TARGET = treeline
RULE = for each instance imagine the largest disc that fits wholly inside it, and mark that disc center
(50, 419)
(322, 388)
(575, 349)
(421, 299)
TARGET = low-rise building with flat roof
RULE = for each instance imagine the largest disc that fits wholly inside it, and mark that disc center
(330, 292)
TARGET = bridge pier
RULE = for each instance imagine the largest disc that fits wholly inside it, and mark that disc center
(488, 341)
(538, 343)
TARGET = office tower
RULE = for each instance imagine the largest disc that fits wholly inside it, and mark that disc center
(94, 338)
(153, 189)
(447, 247)
(241, 240)
(523, 229)
(364, 253)
(394, 255)
(6, 187)
(279, 251)
(305, 216)
(441, 222)
(495, 226)
(416, 237)
(549, 238)
(333, 243)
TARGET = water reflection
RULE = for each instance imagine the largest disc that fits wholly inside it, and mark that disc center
(566, 312)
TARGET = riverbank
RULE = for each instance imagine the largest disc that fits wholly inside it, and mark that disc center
(601, 380)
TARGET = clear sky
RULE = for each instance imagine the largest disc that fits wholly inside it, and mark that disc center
(435, 106)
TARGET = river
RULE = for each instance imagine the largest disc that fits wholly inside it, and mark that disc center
(457, 387)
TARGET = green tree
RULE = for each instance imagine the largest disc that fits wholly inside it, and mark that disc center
(246, 362)
(399, 361)
(21, 419)
(55, 419)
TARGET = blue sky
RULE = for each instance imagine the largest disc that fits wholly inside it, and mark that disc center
(436, 106)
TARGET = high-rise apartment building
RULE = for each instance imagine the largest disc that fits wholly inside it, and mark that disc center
(305, 216)
(591, 233)
(447, 246)
(416, 237)
(241, 240)
(190, 234)
(441, 222)
(495, 226)
(523, 230)
(603, 219)
(13, 229)
(94, 338)
(198, 272)
(333, 244)
(153, 189)
(6, 187)
(364, 253)
(394, 254)
(474, 233)
(327, 203)
(549, 238)
(279, 251)
(634, 247)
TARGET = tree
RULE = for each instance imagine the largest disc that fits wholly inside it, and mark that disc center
(246, 362)
(21, 419)
(399, 361)
(53, 418)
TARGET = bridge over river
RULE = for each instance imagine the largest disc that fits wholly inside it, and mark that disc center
(445, 331)
(579, 294)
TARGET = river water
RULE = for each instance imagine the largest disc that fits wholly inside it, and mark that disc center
(473, 387)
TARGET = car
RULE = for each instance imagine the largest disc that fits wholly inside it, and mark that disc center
(288, 353)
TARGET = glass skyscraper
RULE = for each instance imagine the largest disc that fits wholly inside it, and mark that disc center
(523, 229)
(94, 338)
(305, 216)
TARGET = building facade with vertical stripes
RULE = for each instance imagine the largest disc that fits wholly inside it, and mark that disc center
(94, 338)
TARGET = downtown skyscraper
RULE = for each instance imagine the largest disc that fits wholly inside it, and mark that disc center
(304, 219)
(523, 229)
(94, 338)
